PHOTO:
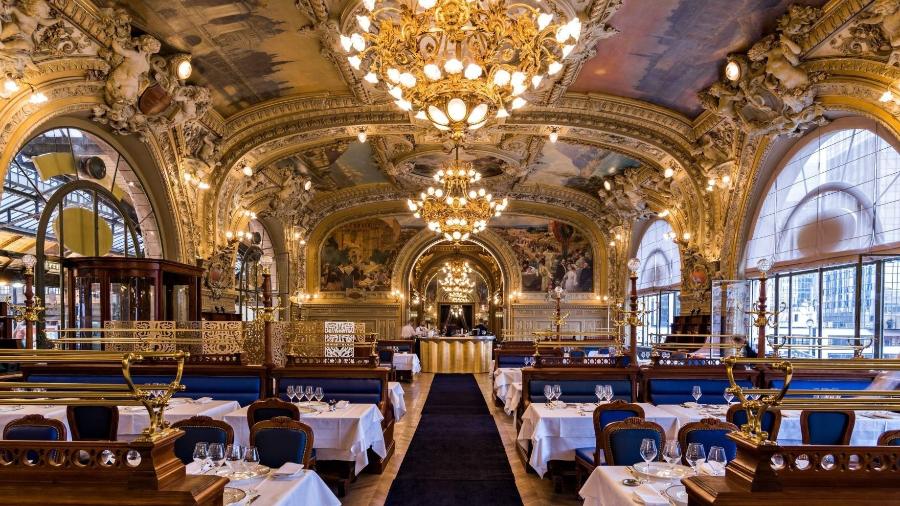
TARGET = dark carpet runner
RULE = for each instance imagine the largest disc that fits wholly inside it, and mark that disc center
(456, 456)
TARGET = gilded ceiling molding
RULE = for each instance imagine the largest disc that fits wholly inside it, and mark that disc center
(835, 14)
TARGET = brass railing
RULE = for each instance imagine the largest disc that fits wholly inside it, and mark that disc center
(781, 343)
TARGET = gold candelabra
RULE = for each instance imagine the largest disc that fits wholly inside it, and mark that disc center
(27, 312)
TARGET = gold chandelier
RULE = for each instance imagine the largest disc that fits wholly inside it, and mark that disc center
(457, 282)
(457, 62)
(456, 211)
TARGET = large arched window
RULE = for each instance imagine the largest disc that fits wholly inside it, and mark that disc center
(830, 221)
(658, 279)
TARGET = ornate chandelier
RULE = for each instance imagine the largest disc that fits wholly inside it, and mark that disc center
(457, 282)
(458, 62)
(456, 211)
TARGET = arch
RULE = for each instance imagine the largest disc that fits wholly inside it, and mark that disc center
(659, 255)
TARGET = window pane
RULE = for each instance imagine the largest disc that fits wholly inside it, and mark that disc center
(890, 316)
(660, 262)
(839, 310)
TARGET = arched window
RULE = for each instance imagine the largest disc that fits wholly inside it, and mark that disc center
(248, 275)
(660, 262)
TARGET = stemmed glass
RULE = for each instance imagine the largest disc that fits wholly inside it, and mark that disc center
(557, 392)
(309, 393)
(728, 396)
(648, 452)
(216, 454)
(234, 455)
(672, 453)
(600, 392)
(290, 392)
(696, 393)
(717, 459)
(695, 455)
(319, 393)
(201, 454)
(548, 393)
(251, 459)
(609, 392)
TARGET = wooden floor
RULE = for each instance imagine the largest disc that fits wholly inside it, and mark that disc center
(371, 490)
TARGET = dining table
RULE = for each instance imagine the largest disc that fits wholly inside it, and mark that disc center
(343, 434)
(503, 378)
(554, 433)
(606, 486)
(134, 419)
(396, 394)
(512, 398)
(407, 362)
(304, 489)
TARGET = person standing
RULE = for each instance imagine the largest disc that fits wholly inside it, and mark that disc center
(408, 331)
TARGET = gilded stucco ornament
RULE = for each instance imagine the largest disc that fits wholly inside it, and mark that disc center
(876, 33)
(31, 30)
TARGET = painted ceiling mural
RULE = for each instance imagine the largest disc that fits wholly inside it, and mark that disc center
(578, 167)
(669, 49)
(427, 164)
(336, 166)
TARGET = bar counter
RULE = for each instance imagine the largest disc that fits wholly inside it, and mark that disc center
(462, 354)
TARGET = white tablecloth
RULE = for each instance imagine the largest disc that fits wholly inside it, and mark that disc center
(513, 396)
(555, 434)
(344, 434)
(306, 489)
(407, 362)
(604, 487)
(395, 391)
(134, 419)
(866, 430)
(503, 377)
(51, 412)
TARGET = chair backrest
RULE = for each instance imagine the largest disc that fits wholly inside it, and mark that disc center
(266, 409)
(621, 441)
(709, 432)
(93, 423)
(889, 438)
(771, 421)
(281, 440)
(200, 429)
(827, 427)
(35, 428)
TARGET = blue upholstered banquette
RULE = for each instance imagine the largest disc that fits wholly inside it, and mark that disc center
(678, 390)
(823, 384)
(512, 361)
(355, 390)
(579, 390)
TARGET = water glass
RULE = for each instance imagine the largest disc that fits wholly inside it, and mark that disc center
(696, 393)
(309, 393)
(672, 452)
(548, 393)
(600, 392)
(251, 459)
(648, 452)
(290, 392)
(717, 459)
(216, 454)
(234, 456)
(557, 392)
(201, 454)
(695, 455)
(609, 392)
(728, 396)
(319, 393)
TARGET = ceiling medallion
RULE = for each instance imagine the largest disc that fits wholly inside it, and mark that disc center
(456, 211)
(457, 62)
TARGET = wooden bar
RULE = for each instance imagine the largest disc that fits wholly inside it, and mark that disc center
(457, 354)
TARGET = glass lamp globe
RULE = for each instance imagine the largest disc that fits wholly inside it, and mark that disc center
(29, 261)
(634, 264)
(764, 265)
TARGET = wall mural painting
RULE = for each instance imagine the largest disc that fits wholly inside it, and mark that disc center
(361, 255)
(578, 167)
(426, 165)
(551, 253)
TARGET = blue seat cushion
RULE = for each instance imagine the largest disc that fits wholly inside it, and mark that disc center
(679, 390)
(355, 390)
(826, 428)
(184, 446)
(512, 361)
(823, 384)
(243, 389)
(579, 390)
(709, 438)
(93, 422)
(768, 422)
(33, 433)
(277, 446)
(625, 445)
(586, 454)
(384, 356)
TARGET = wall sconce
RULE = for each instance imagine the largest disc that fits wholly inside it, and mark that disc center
(265, 262)
(247, 170)
(362, 135)
(553, 135)
(396, 295)
(514, 296)
(181, 66)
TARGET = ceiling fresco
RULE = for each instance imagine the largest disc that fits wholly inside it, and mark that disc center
(336, 166)
(426, 165)
(667, 50)
(247, 51)
(578, 167)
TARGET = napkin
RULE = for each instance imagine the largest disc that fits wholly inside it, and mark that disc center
(287, 470)
(707, 469)
(342, 405)
(203, 400)
(689, 405)
(648, 496)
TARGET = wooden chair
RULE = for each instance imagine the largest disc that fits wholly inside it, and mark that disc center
(200, 429)
(827, 427)
(709, 432)
(586, 459)
(281, 440)
(35, 428)
(621, 441)
(266, 409)
(889, 438)
(771, 420)
(93, 423)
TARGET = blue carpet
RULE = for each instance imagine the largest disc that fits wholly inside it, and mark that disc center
(456, 456)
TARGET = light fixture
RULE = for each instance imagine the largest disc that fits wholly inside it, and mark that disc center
(669, 172)
(361, 135)
(10, 86)
(554, 134)
(606, 185)
(450, 58)
(633, 265)
(764, 264)
(37, 98)
(29, 262)
(456, 211)
(663, 213)
(265, 262)
(686, 236)
(247, 170)
(733, 71)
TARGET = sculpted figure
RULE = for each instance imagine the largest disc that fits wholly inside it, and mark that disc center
(123, 85)
(21, 20)
(782, 57)
(723, 100)
(886, 13)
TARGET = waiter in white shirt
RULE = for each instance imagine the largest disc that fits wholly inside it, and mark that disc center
(408, 331)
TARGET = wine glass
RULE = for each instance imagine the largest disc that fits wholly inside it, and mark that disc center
(216, 454)
(251, 459)
(609, 392)
(648, 452)
(319, 393)
(717, 459)
(672, 453)
(728, 396)
(290, 392)
(233, 456)
(695, 455)
(696, 393)
(600, 392)
(309, 393)
(548, 393)
(557, 392)
(201, 453)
